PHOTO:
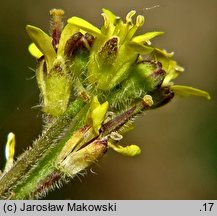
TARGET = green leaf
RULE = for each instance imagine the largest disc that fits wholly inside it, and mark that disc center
(146, 37)
(43, 43)
(84, 25)
(188, 91)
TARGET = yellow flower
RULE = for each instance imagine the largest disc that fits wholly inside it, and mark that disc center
(53, 76)
(172, 71)
(115, 47)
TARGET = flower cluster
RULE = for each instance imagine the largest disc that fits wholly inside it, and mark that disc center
(111, 68)
(93, 82)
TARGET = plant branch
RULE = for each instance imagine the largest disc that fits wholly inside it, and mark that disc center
(30, 157)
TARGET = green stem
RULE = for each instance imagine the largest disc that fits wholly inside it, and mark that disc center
(66, 148)
(46, 166)
(30, 157)
(46, 173)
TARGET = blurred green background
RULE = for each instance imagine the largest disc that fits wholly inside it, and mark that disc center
(178, 141)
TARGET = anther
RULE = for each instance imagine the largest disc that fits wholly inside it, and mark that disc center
(148, 100)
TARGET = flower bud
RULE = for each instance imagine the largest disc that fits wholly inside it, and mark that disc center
(144, 78)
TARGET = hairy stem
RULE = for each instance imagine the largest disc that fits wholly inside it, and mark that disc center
(65, 149)
(40, 146)
(46, 165)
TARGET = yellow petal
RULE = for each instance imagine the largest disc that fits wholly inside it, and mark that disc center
(96, 114)
(34, 51)
(146, 37)
(188, 91)
(130, 151)
(83, 24)
(43, 43)
(9, 151)
(140, 48)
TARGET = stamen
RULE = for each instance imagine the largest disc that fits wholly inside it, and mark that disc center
(117, 23)
(117, 20)
(129, 16)
(148, 100)
(116, 136)
(106, 20)
(140, 20)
